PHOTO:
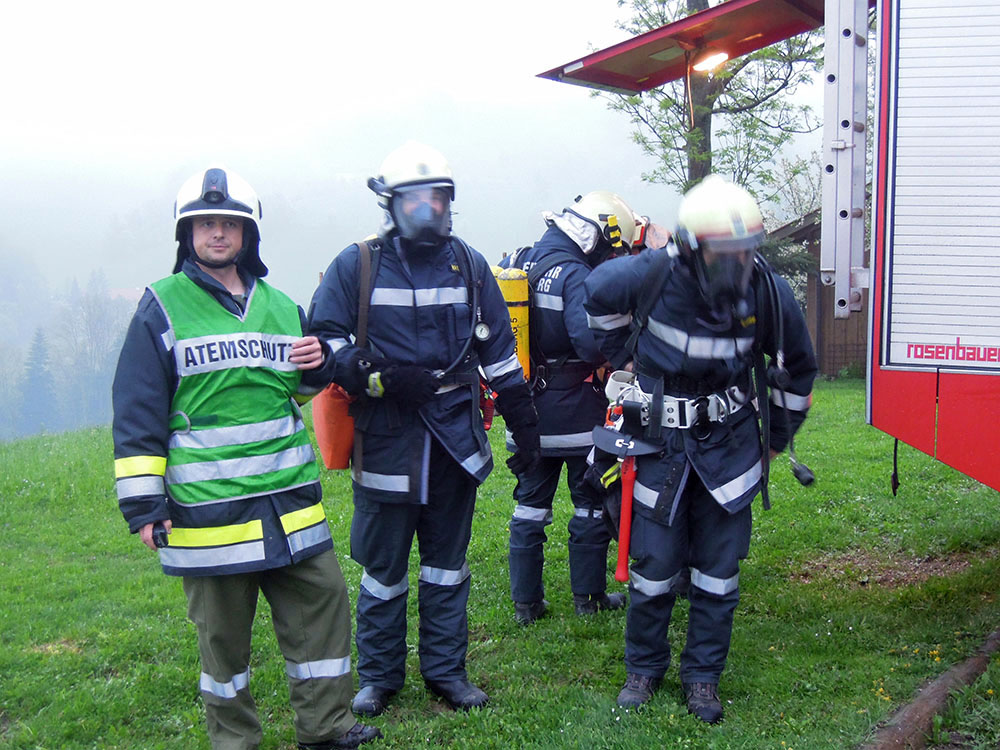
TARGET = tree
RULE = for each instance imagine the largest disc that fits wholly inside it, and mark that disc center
(733, 121)
(37, 408)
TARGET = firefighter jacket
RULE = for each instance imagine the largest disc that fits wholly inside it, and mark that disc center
(694, 355)
(563, 349)
(207, 431)
(421, 313)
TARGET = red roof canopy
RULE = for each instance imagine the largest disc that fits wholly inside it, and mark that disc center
(649, 60)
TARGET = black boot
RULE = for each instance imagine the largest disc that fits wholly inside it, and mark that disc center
(371, 700)
(526, 613)
(460, 694)
(588, 604)
(638, 689)
(357, 735)
(703, 701)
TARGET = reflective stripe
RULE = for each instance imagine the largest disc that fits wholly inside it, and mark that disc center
(387, 482)
(210, 557)
(226, 351)
(307, 538)
(735, 488)
(240, 434)
(526, 513)
(502, 368)
(547, 302)
(135, 465)
(299, 519)
(569, 440)
(645, 495)
(380, 591)
(392, 297)
(168, 339)
(336, 345)
(230, 468)
(793, 401)
(476, 461)
(214, 536)
(609, 322)
(322, 668)
(650, 587)
(713, 585)
(589, 513)
(139, 486)
(224, 689)
(702, 347)
(443, 576)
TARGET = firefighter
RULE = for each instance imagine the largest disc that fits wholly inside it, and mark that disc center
(570, 401)
(435, 316)
(693, 360)
(214, 467)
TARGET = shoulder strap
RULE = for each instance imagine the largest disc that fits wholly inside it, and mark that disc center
(647, 298)
(369, 257)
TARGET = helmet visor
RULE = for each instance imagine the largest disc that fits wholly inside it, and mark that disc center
(422, 212)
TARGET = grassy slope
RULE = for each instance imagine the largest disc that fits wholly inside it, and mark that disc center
(96, 652)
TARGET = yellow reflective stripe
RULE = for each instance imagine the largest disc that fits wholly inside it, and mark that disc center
(135, 465)
(299, 519)
(303, 398)
(217, 535)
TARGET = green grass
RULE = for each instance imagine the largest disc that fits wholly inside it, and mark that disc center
(96, 651)
(972, 720)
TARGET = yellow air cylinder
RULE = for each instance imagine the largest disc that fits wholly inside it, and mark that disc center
(513, 284)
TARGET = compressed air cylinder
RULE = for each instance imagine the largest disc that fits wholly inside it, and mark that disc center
(513, 284)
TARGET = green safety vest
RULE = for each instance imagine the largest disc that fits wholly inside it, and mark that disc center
(235, 432)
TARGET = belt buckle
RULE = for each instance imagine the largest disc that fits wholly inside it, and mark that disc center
(701, 426)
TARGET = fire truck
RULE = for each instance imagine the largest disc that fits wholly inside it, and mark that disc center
(932, 287)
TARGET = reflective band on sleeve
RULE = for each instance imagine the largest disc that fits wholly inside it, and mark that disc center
(380, 591)
(386, 482)
(476, 461)
(210, 557)
(224, 689)
(739, 486)
(570, 440)
(443, 576)
(299, 519)
(713, 585)
(650, 587)
(501, 368)
(242, 434)
(792, 401)
(302, 540)
(139, 486)
(215, 536)
(644, 495)
(136, 465)
(548, 302)
(609, 322)
(526, 513)
(589, 513)
(230, 468)
(323, 668)
(336, 345)
(702, 347)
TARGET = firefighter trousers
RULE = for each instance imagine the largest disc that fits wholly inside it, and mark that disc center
(312, 621)
(712, 542)
(588, 535)
(381, 538)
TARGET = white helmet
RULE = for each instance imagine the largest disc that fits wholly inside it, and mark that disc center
(611, 216)
(217, 191)
(719, 228)
(411, 168)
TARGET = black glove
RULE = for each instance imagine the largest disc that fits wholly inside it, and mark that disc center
(519, 413)
(411, 385)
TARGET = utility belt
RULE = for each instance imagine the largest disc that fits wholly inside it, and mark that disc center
(454, 380)
(680, 413)
(553, 373)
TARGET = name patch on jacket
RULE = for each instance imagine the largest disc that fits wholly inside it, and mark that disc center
(221, 352)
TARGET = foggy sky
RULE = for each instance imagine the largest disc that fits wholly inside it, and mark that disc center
(110, 106)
